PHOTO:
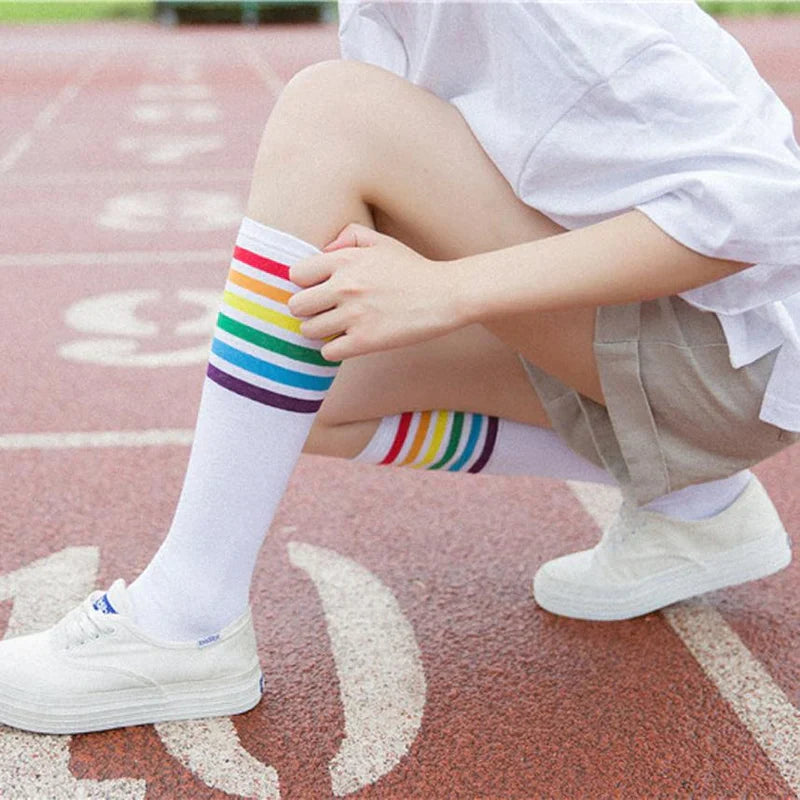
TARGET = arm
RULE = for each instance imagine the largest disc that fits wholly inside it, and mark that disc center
(620, 260)
(373, 293)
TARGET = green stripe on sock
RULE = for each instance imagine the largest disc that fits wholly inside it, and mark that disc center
(455, 436)
(261, 339)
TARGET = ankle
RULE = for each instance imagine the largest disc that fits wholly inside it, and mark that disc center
(702, 500)
(166, 608)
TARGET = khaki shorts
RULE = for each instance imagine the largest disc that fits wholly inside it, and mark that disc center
(676, 412)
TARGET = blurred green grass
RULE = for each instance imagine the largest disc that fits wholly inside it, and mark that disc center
(74, 11)
(12, 11)
(741, 7)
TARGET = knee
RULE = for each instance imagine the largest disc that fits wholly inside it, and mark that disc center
(339, 440)
(329, 98)
(336, 83)
(318, 442)
(313, 94)
(325, 77)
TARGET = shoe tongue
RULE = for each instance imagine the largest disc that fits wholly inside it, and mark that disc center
(115, 600)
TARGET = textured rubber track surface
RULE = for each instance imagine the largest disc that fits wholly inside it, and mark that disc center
(402, 652)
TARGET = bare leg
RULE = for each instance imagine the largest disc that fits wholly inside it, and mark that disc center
(469, 370)
(351, 142)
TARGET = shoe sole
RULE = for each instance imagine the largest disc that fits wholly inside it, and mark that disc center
(140, 706)
(741, 565)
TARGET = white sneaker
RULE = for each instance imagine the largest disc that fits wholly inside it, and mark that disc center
(96, 670)
(647, 560)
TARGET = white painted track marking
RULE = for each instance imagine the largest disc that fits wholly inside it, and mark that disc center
(187, 210)
(263, 69)
(758, 701)
(123, 353)
(46, 116)
(159, 113)
(212, 750)
(760, 704)
(163, 91)
(116, 258)
(33, 765)
(156, 437)
(115, 314)
(163, 148)
(378, 662)
(120, 176)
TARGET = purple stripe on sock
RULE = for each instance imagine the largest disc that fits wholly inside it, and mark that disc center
(261, 395)
(488, 446)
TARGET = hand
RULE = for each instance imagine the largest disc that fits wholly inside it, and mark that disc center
(372, 293)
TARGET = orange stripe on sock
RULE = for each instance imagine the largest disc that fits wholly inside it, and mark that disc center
(419, 438)
(263, 289)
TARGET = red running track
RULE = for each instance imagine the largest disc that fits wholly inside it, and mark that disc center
(403, 654)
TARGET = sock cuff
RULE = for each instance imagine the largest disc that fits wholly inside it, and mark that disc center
(278, 242)
(381, 441)
(701, 500)
(451, 441)
(258, 350)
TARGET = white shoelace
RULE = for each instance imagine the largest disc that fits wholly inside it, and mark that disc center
(83, 624)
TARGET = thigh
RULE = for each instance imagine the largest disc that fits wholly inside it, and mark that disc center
(454, 202)
(360, 137)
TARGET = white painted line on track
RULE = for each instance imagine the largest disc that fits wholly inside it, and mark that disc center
(263, 68)
(45, 117)
(760, 704)
(116, 258)
(175, 177)
(87, 439)
(378, 662)
(212, 750)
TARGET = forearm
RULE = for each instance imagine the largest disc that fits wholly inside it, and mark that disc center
(620, 260)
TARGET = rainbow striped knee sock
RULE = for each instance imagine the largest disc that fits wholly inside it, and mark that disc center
(264, 382)
(455, 441)
(461, 442)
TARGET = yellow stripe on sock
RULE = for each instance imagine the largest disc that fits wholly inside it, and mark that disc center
(440, 426)
(419, 438)
(260, 312)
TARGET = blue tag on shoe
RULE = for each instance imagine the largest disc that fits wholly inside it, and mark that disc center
(103, 605)
(208, 640)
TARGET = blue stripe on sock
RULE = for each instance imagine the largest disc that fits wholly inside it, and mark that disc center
(266, 370)
(472, 440)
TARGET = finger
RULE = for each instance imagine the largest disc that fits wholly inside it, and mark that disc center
(311, 271)
(323, 326)
(353, 235)
(339, 348)
(308, 302)
(342, 240)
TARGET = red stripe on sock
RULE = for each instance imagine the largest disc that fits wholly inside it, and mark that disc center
(399, 439)
(261, 262)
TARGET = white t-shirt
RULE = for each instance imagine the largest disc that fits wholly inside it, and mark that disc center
(590, 109)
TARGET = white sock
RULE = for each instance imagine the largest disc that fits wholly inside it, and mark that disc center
(465, 442)
(456, 441)
(702, 500)
(263, 386)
